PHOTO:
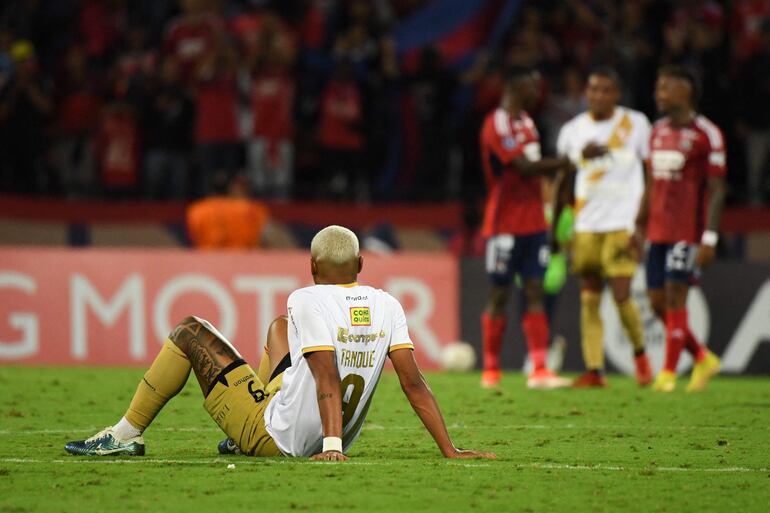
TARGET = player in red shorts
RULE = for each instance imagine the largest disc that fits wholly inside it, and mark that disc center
(686, 194)
(515, 227)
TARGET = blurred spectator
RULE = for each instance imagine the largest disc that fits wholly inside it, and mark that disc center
(192, 36)
(357, 43)
(633, 48)
(228, 219)
(79, 102)
(467, 240)
(136, 63)
(168, 120)
(216, 126)
(258, 29)
(341, 136)
(430, 89)
(6, 63)
(748, 17)
(25, 105)
(118, 149)
(270, 147)
(101, 23)
(754, 119)
(564, 105)
(401, 124)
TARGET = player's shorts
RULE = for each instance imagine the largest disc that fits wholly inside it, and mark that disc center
(603, 253)
(237, 402)
(525, 255)
(671, 262)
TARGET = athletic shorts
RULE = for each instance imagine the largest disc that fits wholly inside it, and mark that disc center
(671, 262)
(603, 253)
(237, 402)
(525, 255)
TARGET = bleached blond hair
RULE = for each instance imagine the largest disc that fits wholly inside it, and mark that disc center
(335, 245)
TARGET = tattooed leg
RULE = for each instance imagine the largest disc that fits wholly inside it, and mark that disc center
(208, 351)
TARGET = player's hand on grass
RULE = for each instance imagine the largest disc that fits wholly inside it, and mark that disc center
(466, 454)
(329, 456)
(593, 150)
(706, 255)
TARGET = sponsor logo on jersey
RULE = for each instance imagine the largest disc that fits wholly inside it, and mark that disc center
(243, 380)
(509, 143)
(667, 164)
(360, 316)
(344, 336)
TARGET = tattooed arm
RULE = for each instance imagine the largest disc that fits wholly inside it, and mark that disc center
(323, 365)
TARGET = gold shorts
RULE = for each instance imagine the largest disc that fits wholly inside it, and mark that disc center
(605, 253)
(239, 409)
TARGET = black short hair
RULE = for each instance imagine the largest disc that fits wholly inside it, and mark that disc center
(686, 74)
(607, 72)
(515, 73)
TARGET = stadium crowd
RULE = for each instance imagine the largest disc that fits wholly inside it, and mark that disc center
(314, 98)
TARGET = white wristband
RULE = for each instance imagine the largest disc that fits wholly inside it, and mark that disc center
(332, 443)
(709, 238)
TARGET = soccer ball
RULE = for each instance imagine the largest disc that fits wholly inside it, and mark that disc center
(458, 357)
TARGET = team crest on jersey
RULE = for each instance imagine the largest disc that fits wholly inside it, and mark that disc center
(688, 136)
(360, 316)
(509, 143)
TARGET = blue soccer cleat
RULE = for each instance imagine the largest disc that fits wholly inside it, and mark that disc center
(228, 446)
(105, 443)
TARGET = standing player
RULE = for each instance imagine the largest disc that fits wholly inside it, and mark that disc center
(686, 195)
(296, 404)
(514, 226)
(609, 144)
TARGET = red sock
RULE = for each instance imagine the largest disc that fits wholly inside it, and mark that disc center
(492, 329)
(676, 337)
(535, 327)
(694, 347)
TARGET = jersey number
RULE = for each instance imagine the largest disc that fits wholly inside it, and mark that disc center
(349, 407)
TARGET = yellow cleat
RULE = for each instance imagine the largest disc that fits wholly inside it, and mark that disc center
(702, 372)
(665, 382)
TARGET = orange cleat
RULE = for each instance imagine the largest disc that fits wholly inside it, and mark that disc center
(544, 379)
(643, 370)
(590, 380)
(490, 378)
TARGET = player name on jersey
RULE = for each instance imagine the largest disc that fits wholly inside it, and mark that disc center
(357, 359)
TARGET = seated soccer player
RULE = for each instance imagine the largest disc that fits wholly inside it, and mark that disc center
(315, 383)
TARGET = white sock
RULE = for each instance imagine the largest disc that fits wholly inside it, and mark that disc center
(125, 430)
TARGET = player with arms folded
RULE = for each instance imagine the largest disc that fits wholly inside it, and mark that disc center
(681, 217)
(515, 226)
(608, 144)
(315, 383)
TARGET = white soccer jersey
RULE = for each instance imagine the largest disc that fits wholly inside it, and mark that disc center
(608, 189)
(361, 325)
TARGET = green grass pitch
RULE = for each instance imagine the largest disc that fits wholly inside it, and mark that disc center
(617, 450)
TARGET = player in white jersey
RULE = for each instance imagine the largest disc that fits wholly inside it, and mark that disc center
(313, 388)
(609, 145)
(359, 326)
